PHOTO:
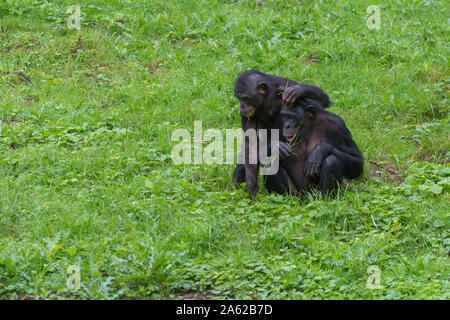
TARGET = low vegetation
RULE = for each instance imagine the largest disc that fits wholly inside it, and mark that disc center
(87, 180)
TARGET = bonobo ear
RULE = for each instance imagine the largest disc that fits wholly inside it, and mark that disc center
(311, 110)
(262, 88)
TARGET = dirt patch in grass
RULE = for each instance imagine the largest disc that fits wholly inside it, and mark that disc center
(310, 59)
(22, 77)
(185, 42)
(201, 295)
(21, 47)
(83, 46)
(26, 297)
(154, 67)
(15, 48)
(431, 76)
(30, 100)
(385, 171)
(8, 122)
(79, 46)
(440, 156)
(194, 295)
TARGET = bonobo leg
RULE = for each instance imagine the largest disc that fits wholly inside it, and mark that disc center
(331, 174)
(247, 173)
(247, 168)
(280, 183)
(251, 161)
(239, 174)
(239, 171)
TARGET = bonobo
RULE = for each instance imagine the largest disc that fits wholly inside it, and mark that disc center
(260, 97)
(324, 151)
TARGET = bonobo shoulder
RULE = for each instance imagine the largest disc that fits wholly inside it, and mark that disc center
(331, 118)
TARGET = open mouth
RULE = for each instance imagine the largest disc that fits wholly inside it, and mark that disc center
(290, 137)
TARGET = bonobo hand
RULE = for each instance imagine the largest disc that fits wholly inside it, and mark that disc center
(315, 159)
(291, 94)
(284, 149)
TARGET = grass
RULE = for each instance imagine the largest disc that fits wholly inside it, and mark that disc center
(86, 176)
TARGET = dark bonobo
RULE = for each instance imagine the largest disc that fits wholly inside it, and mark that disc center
(324, 151)
(260, 97)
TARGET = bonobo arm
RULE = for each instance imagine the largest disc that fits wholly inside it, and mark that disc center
(302, 90)
(284, 150)
(351, 158)
(316, 157)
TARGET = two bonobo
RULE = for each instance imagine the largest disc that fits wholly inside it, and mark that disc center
(316, 149)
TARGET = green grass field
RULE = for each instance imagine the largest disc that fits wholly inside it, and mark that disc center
(87, 180)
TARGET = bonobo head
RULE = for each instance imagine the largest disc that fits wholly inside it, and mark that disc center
(298, 117)
(256, 94)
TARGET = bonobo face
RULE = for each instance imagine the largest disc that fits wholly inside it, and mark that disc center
(248, 105)
(250, 91)
(293, 118)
